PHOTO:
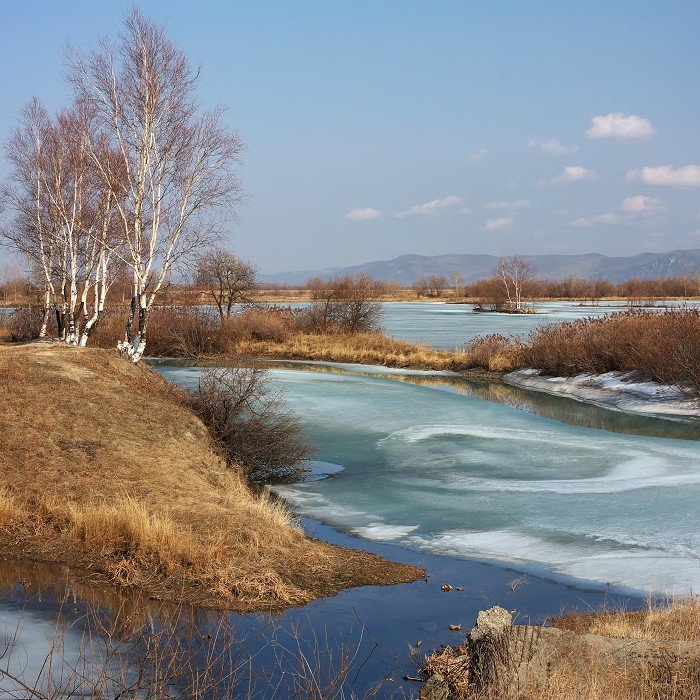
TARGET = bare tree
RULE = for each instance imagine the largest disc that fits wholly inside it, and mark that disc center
(358, 309)
(514, 274)
(437, 284)
(433, 286)
(490, 295)
(227, 279)
(178, 160)
(347, 304)
(457, 279)
(250, 421)
(421, 287)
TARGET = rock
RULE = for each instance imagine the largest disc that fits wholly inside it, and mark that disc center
(435, 688)
(494, 621)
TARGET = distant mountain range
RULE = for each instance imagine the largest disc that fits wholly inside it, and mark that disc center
(406, 269)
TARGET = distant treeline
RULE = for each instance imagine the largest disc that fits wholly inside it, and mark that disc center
(487, 292)
(441, 286)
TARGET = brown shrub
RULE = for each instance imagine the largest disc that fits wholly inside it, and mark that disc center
(660, 346)
(249, 421)
(274, 324)
(494, 352)
(193, 332)
(23, 324)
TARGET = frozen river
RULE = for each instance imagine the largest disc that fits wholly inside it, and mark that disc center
(439, 467)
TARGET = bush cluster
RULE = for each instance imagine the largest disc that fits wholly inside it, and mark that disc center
(195, 331)
(249, 421)
(660, 346)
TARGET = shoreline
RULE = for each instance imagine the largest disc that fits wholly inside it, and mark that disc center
(613, 390)
(586, 302)
(384, 622)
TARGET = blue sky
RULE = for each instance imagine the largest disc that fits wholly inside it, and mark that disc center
(375, 129)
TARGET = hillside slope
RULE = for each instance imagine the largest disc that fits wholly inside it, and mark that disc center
(102, 469)
(406, 269)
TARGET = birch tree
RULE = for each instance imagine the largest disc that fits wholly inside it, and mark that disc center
(514, 273)
(178, 161)
(63, 218)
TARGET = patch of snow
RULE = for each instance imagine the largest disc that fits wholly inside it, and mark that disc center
(616, 390)
(383, 531)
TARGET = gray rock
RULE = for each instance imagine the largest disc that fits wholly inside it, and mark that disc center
(435, 688)
(492, 622)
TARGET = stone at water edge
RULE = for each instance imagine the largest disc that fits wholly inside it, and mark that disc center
(492, 622)
(435, 688)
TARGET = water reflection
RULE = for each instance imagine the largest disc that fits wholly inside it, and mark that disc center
(356, 642)
(562, 409)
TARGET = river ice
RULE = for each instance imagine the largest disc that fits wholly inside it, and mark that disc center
(459, 475)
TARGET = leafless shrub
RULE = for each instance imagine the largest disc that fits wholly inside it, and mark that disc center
(274, 324)
(344, 305)
(177, 332)
(250, 422)
(23, 324)
(493, 352)
(660, 346)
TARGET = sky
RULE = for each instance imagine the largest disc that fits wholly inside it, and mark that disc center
(379, 128)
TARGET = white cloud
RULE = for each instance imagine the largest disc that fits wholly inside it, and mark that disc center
(641, 205)
(500, 222)
(606, 218)
(617, 125)
(667, 175)
(581, 223)
(573, 173)
(479, 155)
(552, 147)
(587, 222)
(432, 207)
(632, 208)
(363, 214)
(510, 206)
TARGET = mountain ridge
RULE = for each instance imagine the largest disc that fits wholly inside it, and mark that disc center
(408, 268)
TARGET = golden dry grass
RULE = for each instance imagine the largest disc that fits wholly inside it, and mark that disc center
(363, 348)
(596, 677)
(675, 620)
(103, 469)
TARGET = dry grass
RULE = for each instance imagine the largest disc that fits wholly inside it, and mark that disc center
(574, 674)
(662, 346)
(494, 352)
(102, 468)
(362, 348)
(676, 620)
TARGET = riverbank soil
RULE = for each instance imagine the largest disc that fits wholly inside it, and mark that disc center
(103, 469)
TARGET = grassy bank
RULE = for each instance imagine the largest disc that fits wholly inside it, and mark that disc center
(663, 346)
(102, 468)
(362, 348)
(659, 346)
(647, 655)
(276, 334)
